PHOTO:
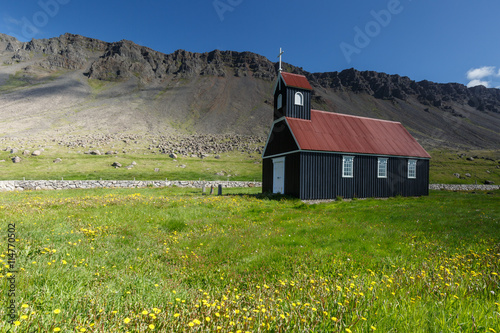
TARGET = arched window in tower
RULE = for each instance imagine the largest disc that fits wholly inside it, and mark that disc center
(299, 98)
(279, 103)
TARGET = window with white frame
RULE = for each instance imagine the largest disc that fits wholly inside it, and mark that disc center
(347, 166)
(279, 102)
(299, 98)
(412, 168)
(382, 168)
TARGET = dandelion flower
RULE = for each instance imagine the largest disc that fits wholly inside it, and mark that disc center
(24, 305)
(56, 311)
(197, 322)
(191, 324)
(145, 312)
(176, 315)
(334, 318)
(17, 323)
(207, 319)
(151, 327)
(348, 330)
(57, 329)
(83, 329)
(373, 328)
(126, 320)
(24, 317)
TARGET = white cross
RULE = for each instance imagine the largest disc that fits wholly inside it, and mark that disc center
(279, 56)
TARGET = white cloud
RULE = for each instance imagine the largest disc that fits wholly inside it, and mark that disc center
(22, 29)
(474, 83)
(9, 20)
(481, 73)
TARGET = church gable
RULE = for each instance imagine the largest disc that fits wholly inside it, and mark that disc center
(280, 140)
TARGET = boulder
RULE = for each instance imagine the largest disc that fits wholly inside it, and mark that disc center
(173, 155)
(13, 151)
(489, 182)
(36, 153)
(26, 153)
(57, 160)
(456, 175)
(468, 175)
(116, 165)
(16, 159)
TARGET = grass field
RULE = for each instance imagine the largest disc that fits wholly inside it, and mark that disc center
(171, 260)
(76, 165)
(233, 165)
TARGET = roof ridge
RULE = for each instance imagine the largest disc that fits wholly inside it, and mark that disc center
(292, 74)
(354, 116)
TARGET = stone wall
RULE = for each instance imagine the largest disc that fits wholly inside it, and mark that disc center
(463, 187)
(23, 185)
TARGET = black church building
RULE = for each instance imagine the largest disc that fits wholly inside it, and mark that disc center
(313, 154)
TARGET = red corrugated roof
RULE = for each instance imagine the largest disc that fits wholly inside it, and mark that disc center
(327, 131)
(296, 80)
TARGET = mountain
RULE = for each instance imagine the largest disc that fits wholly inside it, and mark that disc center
(77, 85)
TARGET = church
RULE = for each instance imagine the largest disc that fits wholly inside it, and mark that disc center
(313, 154)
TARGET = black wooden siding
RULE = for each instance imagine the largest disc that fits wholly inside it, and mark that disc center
(267, 175)
(311, 175)
(279, 113)
(321, 177)
(298, 111)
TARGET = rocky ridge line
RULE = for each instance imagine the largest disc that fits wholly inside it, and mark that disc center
(125, 59)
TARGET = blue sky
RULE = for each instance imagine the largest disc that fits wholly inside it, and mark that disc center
(435, 40)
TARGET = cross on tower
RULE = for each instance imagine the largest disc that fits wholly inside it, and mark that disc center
(279, 56)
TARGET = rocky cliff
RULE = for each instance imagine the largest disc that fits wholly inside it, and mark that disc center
(74, 84)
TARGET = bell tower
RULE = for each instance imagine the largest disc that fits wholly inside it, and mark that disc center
(292, 95)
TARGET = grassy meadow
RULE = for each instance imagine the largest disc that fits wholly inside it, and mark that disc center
(76, 165)
(233, 165)
(171, 260)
